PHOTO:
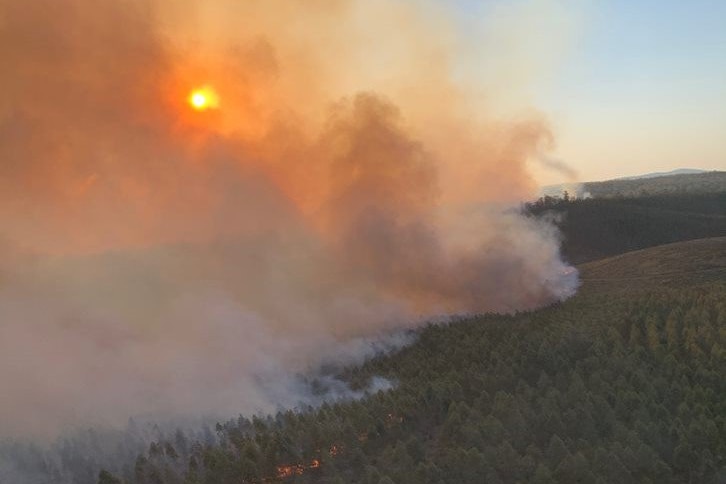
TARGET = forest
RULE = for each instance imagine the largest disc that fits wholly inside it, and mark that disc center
(594, 228)
(622, 383)
(596, 389)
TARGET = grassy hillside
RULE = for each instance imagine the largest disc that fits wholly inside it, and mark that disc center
(597, 228)
(599, 389)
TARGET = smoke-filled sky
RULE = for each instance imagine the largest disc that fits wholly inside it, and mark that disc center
(356, 177)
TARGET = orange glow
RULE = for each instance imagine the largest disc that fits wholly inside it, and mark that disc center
(291, 470)
(203, 99)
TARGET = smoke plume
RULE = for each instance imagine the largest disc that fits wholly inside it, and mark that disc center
(160, 260)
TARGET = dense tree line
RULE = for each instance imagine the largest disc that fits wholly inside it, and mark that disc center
(595, 228)
(597, 389)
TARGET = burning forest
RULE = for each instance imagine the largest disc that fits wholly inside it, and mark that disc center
(306, 221)
(200, 200)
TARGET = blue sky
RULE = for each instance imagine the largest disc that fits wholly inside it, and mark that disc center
(641, 88)
(642, 50)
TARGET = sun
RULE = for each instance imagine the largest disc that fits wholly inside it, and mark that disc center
(203, 99)
(198, 100)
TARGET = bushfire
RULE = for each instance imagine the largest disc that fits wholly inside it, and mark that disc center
(284, 472)
(298, 469)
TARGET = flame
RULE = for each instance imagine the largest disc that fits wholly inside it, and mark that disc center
(289, 471)
(285, 471)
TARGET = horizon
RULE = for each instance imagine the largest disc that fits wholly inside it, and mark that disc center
(629, 87)
(653, 174)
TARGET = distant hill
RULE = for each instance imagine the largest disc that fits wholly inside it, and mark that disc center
(694, 183)
(601, 227)
(679, 171)
(685, 181)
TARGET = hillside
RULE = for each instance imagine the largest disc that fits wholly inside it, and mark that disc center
(597, 228)
(677, 182)
(673, 265)
(622, 383)
(679, 171)
(690, 183)
(597, 389)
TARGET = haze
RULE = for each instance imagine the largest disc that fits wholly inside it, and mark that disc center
(165, 261)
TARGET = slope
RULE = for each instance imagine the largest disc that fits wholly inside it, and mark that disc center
(675, 265)
(691, 183)
(597, 389)
(678, 182)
